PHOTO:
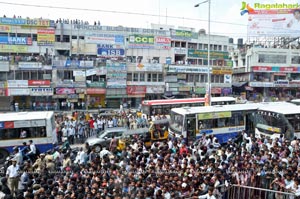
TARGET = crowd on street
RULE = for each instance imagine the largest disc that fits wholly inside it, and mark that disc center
(168, 169)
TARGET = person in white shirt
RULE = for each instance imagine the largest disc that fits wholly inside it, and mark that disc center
(12, 173)
(209, 195)
(23, 134)
(71, 134)
(18, 156)
(82, 156)
(31, 154)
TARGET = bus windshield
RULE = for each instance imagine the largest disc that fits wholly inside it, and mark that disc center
(176, 123)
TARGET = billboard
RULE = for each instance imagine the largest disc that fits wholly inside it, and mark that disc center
(45, 36)
(204, 53)
(274, 22)
(110, 52)
(27, 22)
(181, 34)
(163, 42)
(13, 48)
(4, 28)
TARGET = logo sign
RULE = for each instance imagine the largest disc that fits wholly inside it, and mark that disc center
(141, 39)
(246, 8)
(181, 34)
(15, 40)
(111, 52)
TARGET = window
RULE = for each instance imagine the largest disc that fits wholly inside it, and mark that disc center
(196, 78)
(221, 78)
(149, 78)
(135, 77)
(142, 77)
(225, 48)
(129, 76)
(26, 75)
(190, 78)
(295, 59)
(34, 75)
(275, 59)
(160, 77)
(154, 77)
(200, 46)
(155, 59)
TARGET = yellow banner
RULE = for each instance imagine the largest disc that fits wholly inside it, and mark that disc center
(5, 28)
(207, 116)
(13, 49)
(46, 37)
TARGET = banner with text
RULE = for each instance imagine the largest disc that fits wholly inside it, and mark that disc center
(274, 22)
(5, 28)
(45, 37)
(15, 40)
(181, 35)
(141, 41)
(94, 38)
(203, 54)
(4, 48)
(27, 22)
(162, 42)
(116, 75)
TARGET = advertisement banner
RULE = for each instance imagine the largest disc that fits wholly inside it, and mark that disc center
(45, 36)
(216, 90)
(155, 89)
(149, 67)
(180, 51)
(181, 35)
(227, 79)
(203, 54)
(15, 40)
(94, 38)
(187, 69)
(78, 73)
(101, 71)
(136, 90)
(141, 41)
(17, 92)
(17, 84)
(64, 91)
(163, 42)
(274, 22)
(27, 22)
(116, 83)
(86, 64)
(13, 48)
(5, 28)
(39, 83)
(41, 91)
(30, 65)
(91, 91)
(110, 52)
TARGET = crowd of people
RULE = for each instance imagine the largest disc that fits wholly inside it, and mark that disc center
(168, 169)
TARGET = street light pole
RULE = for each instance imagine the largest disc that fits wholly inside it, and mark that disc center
(208, 85)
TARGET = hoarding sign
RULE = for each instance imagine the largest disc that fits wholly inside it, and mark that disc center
(149, 67)
(141, 41)
(39, 83)
(64, 91)
(41, 91)
(135, 90)
(15, 40)
(5, 28)
(181, 34)
(45, 36)
(274, 22)
(204, 53)
(27, 22)
(163, 42)
(104, 39)
(13, 48)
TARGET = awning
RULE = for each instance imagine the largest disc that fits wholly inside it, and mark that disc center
(238, 84)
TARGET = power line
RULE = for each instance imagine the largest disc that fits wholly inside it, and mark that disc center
(117, 12)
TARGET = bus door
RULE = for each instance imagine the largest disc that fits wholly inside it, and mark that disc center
(191, 128)
(250, 123)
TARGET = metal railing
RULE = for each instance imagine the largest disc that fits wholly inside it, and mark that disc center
(247, 192)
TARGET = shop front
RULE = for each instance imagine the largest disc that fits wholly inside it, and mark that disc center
(64, 97)
(135, 95)
(96, 97)
(154, 92)
(41, 94)
(19, 92)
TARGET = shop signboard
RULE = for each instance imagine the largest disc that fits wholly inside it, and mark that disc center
(91, 91)
(15, 40)
(162, 42)
(187, 69)
(135, 90)
(105, 38)
(181, 34)
(155, 89)
(64, 91)
(203, 54)
(45, 36)
(149, 67)
(110, 52)
(41, 91)
(17, 84)
(96, 85)
(5, 28)
(39, 83)
(13, 48)
(30, 65)
(17, 92)
(216, 90)
(141, 41)
(27, 22)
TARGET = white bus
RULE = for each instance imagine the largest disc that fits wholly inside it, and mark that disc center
(272, 121)
(224, 122)
(164, 106)
(19, 127)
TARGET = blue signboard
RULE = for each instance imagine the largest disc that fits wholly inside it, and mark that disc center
(1, 125)
(15, 40)
(110, 52)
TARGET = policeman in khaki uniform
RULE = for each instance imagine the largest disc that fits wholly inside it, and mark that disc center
(50, 165)
(40, 163)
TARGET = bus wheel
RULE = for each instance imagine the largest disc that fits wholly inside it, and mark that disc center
(98, 148)
(3, 155)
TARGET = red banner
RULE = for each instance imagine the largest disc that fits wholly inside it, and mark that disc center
(136, 90)
(288, 69)
(261, 68)
(95, 91)
(9, 125)
(38, 83)
(216, 90)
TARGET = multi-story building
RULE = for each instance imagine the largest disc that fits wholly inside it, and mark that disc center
(267, 73)
(51, 63)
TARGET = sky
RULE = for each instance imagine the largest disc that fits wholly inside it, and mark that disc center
(225, 14)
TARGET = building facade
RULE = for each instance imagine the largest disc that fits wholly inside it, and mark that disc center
(53, 65)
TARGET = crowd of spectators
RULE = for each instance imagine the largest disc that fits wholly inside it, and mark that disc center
(169, 169)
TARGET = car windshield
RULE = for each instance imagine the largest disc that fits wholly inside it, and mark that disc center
(100, 133)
